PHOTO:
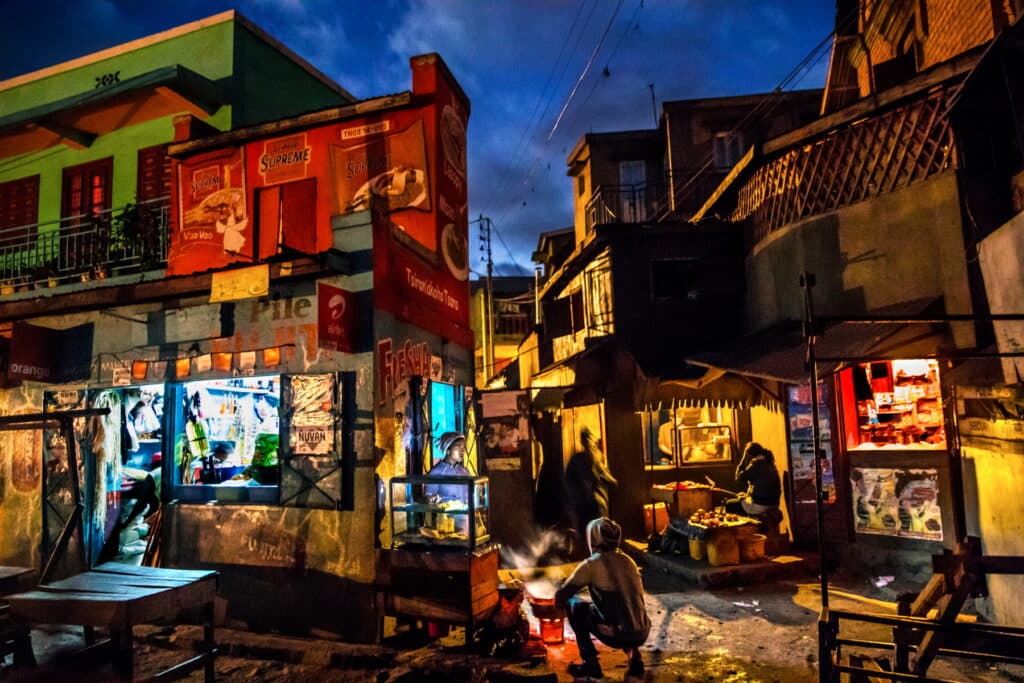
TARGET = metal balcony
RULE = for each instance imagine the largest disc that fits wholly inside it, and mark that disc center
(625, 204)
(121, 241)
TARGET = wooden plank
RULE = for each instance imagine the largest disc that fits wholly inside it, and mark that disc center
(181, 670)
(935, 587)
(949, 607)
(132, 570)
(82, 609)
(919, 84)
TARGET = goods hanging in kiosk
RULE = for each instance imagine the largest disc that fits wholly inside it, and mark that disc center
(895, 439)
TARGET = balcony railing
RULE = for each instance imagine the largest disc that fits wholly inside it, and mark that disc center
(625, 204)
(129, 239)
(677, 197)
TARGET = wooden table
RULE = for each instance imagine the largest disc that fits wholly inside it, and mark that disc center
(117, 597)
(14, 579)
(14, 638)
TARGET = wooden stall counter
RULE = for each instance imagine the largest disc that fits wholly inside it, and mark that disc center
(450, 586)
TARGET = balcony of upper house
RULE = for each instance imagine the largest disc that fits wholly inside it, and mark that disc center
(676, 196)
(78, 250)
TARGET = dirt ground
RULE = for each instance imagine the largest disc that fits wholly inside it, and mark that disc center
(737, 635)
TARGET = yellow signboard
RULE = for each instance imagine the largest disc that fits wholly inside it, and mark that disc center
(240, 283)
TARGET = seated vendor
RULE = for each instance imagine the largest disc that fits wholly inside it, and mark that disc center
(757, 471)
(453, 445)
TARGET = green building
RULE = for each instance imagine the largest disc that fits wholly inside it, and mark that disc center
(82, 140)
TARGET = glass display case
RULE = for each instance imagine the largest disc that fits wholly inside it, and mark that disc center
(439, 512)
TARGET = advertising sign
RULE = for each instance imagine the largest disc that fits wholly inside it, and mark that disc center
(285, 159)
(383, 171)
(214, 229)
(897, 502)
(336, 318)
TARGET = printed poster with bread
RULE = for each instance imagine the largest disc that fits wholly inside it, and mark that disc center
(385, 171)
(214, 227)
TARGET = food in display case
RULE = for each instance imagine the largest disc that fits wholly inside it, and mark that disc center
(421, 516)
(899, 405)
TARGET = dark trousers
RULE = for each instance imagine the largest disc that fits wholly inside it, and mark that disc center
(584, 616)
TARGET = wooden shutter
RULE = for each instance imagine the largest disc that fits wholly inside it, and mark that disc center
(19, 208)
(298, 216)
(154, 181)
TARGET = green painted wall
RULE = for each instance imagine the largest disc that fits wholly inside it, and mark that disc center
(260, 83)
(267, 87)
(207, 51)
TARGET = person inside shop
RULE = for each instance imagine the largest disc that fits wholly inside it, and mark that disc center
(758, 473)
(588, 482)
(616, 613)
(453, 445)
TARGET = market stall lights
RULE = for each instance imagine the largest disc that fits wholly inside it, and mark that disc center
(221, 361)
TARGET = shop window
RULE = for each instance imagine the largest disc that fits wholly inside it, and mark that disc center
(682, 436)
(893, 405)
(19, 213)
(228, 445)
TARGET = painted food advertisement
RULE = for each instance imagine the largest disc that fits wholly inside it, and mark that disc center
(311, 424)
(214, 226)
(383, 173)
(897, 502)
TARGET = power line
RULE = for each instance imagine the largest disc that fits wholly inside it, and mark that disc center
(586, 68)
(769, 103)
(548, 92)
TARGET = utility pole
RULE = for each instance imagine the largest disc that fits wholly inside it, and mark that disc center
(488, 344)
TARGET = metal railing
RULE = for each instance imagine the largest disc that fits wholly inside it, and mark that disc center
(128, 239)
(653, 202)
(625, 204)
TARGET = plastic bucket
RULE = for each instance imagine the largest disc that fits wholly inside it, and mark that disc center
(752, 548)
(723, 549)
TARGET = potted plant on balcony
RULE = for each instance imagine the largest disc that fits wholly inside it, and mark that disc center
(136, 233)
(45, 275)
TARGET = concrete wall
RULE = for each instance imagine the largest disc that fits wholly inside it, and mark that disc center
(893, 249)
(994, 486)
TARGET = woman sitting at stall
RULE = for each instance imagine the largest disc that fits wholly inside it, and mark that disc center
(758, 473)
(453, 445)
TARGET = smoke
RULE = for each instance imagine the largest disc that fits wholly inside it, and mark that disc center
(530, 559)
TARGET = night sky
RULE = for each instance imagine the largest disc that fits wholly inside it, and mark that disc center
(518, 62)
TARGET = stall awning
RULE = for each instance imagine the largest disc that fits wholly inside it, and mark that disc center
(76, 121)
(549, 398)
(780, 353)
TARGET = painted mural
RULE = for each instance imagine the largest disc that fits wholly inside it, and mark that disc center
(21, 471)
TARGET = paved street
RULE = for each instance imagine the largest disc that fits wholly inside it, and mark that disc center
(766, 633)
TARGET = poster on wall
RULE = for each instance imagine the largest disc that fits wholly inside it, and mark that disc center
(336, 318)
(801, 444)
(214, 226)
(380, 169)
(311, 420)
(897, 502)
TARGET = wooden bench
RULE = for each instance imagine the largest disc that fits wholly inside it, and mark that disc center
(117, 597)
